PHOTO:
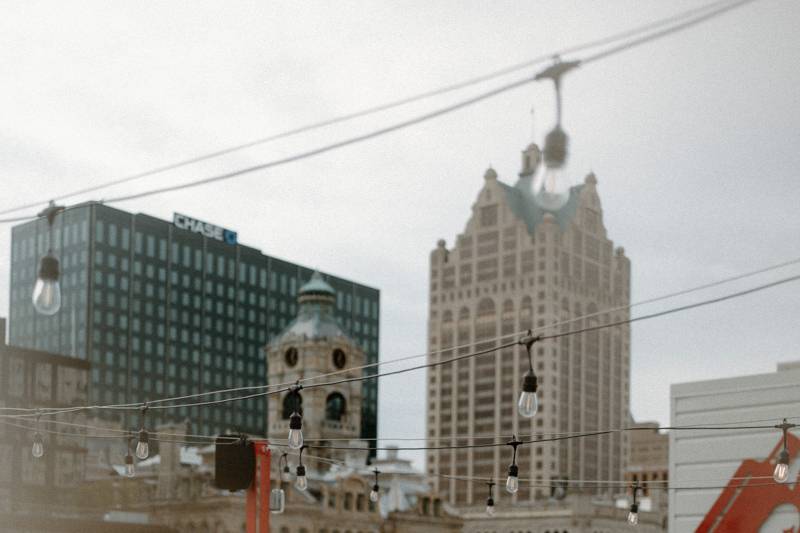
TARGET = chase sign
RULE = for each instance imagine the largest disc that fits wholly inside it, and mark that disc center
(204, 228)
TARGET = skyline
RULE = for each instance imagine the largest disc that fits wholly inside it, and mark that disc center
(129, 106)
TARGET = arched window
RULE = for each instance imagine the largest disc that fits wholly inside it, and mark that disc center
(291, 402)
(335, 407)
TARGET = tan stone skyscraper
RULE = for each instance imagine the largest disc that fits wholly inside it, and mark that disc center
(518, 266)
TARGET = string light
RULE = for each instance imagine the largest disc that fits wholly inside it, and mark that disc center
(302, 482)
(130, 468)
(490, 500)
(47, 290)
(374, 494)
(286, 474)
(781, 473)
(143, 446)
(37, 450)
(512, 483)
(296, 422)
(528, 403)
(633, 514)
(277, 497)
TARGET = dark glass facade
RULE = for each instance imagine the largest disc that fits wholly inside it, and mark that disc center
(160, 311)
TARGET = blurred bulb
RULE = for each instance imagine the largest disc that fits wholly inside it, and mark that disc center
(490, 507)
(302, 482)
(38, 445)
(47, 290)
(142, 447)
(552, 189)
(295, 431)
(528, 404)
(633, 517)
(373, 495)
(781, 474)
(512, 484)
(277, 501)
(130, 469)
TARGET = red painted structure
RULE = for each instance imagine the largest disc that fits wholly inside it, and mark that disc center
(257, 505)
(745, 504)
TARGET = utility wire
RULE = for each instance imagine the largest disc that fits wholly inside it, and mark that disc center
(379, 108)
(478, 353)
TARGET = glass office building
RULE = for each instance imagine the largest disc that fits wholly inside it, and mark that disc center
(166, 309)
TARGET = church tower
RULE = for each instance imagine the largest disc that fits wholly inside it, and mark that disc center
(315, 345)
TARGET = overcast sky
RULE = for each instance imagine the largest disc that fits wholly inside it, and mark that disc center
(695, 140)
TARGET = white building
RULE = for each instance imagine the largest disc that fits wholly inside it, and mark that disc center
(712, 457)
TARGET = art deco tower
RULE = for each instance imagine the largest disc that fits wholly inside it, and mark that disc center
(518, 266)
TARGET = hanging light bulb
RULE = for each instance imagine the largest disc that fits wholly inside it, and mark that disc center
(143, 446)
(47, 289)
(512, 482)
(553, 188)
(37, 450)
(633, 514)
(781, 472)
(301, 483)
(528, 403)
(490, 500)
(296, 422)
(277, 501)
(130, 469)
(286, 474)
(373, 495)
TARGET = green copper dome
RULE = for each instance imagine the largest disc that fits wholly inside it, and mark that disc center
(315, 318)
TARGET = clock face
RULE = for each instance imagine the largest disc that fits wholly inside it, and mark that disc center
(291, 356)
(339, 358)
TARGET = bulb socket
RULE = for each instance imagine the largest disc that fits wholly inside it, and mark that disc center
(513, 471)
(489, 502)
(295, 421)
(301, 470)
(783, 457)
(555, 148)
(48, 268)
(529, 382)
(143, 436)
(129, 459)
(634, 507)
(375, 487)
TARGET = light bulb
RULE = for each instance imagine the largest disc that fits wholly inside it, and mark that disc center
(277, 501)
(286, 475)
(781, 473)
(38, 445)
(130, 469)
(528, 403)
(489, 507)
(295, 431)
(512, 484)
(553, 187)
(47, 290)
(143, 447)
(373, 495)
(302, 482)
(633, 516)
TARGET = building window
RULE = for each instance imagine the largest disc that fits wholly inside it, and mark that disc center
(335, 407)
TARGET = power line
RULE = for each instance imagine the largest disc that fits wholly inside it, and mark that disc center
(432, 364)
(382, 107)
